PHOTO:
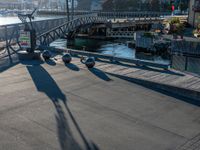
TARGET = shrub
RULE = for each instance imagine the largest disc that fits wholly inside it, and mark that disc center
(176, 27)
(175, 20)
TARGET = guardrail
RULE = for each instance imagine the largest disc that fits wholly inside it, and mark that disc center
(57, 12)
(9, 34)
(184, 47)
(132, 14)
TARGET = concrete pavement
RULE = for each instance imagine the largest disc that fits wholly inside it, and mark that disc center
(56, 107)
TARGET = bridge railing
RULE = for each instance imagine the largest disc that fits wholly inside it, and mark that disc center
(186, 55)
(132, 14)
(59, 12)
(51, 29)
(9, 34)
(186, 47)
(62, 30)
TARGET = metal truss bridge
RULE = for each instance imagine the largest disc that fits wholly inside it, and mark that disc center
(52, 29)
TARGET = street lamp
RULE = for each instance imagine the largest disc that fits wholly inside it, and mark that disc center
(67, 7)
(72, 7)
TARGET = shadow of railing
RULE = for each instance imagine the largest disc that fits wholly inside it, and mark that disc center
(7, 63)
(170, 72)
(100, 74)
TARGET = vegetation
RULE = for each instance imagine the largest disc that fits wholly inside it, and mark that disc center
(176, 27)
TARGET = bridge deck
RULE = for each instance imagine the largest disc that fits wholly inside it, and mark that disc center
(109, 112)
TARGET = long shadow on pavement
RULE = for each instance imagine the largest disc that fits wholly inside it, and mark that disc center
(100, 74)
(145, 68)
(46, 84)
(72, 67)
(8, 66)
(153, 87)
(6, 63)
(51, 62)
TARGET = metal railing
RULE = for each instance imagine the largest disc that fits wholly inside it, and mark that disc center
(183, 47)
(132, 14)
(186, 56)
(47, 37)
(9, 34)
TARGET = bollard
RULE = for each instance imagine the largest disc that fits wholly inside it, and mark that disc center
(67, 58)
(46, 54)
(90, 62)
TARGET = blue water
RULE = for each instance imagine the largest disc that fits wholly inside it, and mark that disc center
(117, 48)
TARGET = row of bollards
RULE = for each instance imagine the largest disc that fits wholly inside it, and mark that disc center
(67, 58)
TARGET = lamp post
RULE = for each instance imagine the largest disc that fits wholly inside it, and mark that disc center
(72, 9)
(67, 7)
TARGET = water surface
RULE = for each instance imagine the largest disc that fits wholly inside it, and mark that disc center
(118, 48)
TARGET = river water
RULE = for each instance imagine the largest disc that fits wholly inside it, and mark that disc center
(118, 48)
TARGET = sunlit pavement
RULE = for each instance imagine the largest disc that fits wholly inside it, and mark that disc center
(52, 106)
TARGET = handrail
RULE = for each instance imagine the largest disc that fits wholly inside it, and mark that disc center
(66, 23)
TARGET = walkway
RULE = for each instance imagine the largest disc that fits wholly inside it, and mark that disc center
(57, 107)
(193, 144)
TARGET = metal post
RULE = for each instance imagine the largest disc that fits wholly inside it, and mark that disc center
(72, 9)
(7, 45)
(67, 7)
